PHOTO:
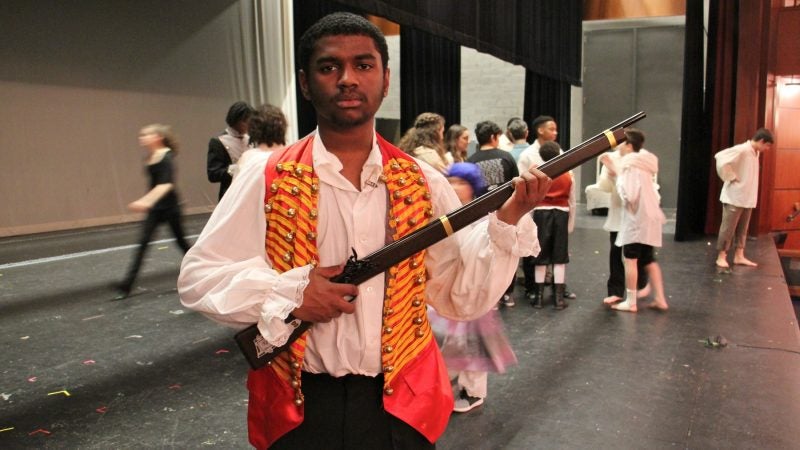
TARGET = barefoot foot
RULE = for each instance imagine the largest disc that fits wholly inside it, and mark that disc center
(723, 264)
(611, 299)
(658, 305)
(624, 306)
(742, 261)
(644, 292)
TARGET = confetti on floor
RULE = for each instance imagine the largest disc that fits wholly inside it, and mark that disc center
(59, 392)
(93, 317)
(40, 430)
(133, 336)
(177, 312)
(102, 409)
(32, 380)
(175, 386)
(220, 351)
(24, 338)
(89, 362)
(6, 429)
(5, 396)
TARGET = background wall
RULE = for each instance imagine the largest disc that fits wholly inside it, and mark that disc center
(631, 66)
(79, 79)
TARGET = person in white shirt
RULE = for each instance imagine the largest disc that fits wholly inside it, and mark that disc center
(738, 168)
(642, 221)
(607, 181)
(545, 129)
(367, 373)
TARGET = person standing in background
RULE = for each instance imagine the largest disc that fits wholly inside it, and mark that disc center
(642, 221)
(544, 129)
(738, 168)
(267, 133)
(425, 140)
(456, 143)
(552, 217)
(615, 285)
(161, 201)
(224, 150)
(498, 167)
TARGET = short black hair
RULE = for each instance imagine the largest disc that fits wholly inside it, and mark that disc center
(635, 137)
(763, 134)
(538, 122)
(549, 150)
(338, 24)
(485, 130)
(238, 112)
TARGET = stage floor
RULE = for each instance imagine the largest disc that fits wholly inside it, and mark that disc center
(82, 371)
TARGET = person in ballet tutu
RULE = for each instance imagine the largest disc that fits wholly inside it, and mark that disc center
(471, 349)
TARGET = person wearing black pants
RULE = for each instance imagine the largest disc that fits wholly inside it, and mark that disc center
(161, 202)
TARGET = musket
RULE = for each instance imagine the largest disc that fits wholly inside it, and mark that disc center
(259, 352)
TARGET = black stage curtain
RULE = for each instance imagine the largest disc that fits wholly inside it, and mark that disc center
(430, 74)
(545, 96)
(720, 103)
(694, 161)
(544, 36)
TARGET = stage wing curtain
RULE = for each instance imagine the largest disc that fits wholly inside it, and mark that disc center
(544, 36)
(694, 160)
(430, 71)
(720, 103)
(545, 96)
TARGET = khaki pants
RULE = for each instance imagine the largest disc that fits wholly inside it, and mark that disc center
(735, 221)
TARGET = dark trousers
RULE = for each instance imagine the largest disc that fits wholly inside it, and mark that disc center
(616, 274)
(347, 413)
(154, 217)
(527, 271)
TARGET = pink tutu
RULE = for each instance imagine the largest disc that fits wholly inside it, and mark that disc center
(479, 345)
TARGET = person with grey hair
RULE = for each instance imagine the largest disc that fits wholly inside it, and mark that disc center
(518, 130)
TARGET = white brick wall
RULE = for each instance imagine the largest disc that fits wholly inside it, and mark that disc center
(491, 89)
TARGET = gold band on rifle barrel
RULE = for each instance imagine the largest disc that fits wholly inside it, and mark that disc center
(612, 141)
(446, 224)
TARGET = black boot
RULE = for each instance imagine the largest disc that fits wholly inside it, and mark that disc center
(558, 297)
(536, 302)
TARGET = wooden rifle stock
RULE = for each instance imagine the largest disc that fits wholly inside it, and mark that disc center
(259, 352)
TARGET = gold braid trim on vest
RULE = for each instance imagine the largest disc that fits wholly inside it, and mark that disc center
(291, 214)
(406, 330)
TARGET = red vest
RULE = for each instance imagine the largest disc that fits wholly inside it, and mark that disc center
(416, 386)
(558, 194)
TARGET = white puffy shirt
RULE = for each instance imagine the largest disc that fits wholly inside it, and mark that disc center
(227, 277)
(740, 161)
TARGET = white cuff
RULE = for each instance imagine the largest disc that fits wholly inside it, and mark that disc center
(519, 240)
(286, 295)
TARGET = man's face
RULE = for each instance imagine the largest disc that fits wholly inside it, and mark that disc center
(548, 131)
(346, 81)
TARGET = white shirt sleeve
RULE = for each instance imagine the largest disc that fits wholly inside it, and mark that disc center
(226, 276)
(469, 271)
